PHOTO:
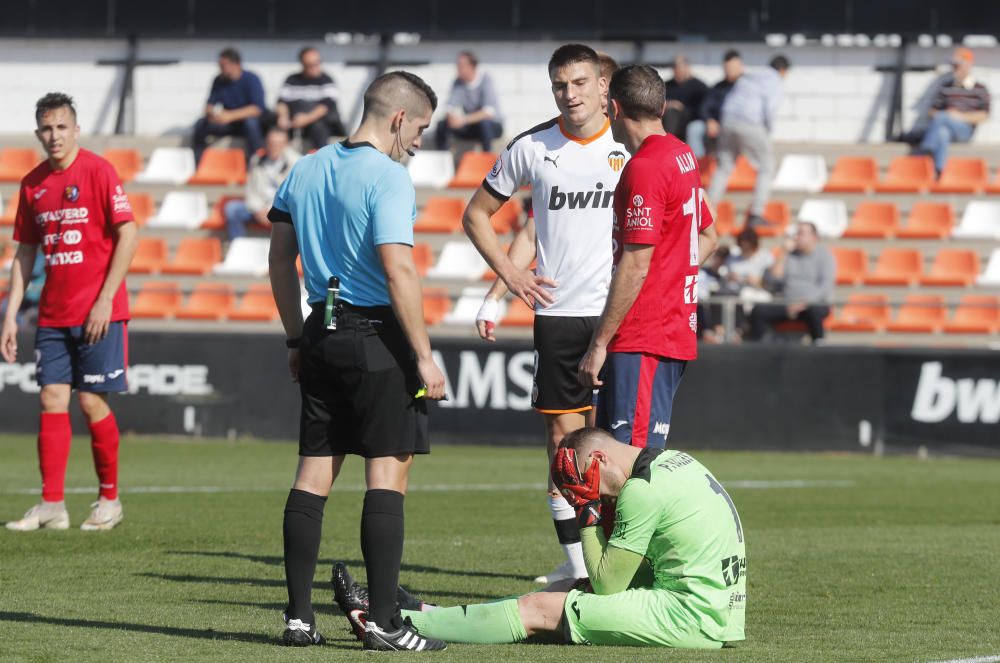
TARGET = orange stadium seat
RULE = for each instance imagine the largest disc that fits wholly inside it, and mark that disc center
(706, 166)
(221, 166)
(975, 314)
(9, 211)
(919, 314)
(962, 176)
(910, 174)
(518, 314)
(423, 257)
(852, 265)
(436, 304)
(725, 223)
(508, 217)
(142, 207)
(953, 267)
(440, 215)
(852, 175)
(209, 301)
(16, 162)
(928, 220)
(156, 299)
(778, 215)
(994, 186)
(195, 255)
(127, 163)
(862, 313)
(150, 254)
(896, 267)
(257, 305)
(873, 220)
(472, 169)
(743, 176)
(217, 217)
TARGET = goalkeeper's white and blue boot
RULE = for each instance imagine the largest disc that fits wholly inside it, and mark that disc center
(48, 515)
(404, 638)
(300, 634)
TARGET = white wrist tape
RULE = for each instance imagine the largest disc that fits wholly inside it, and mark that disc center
(489, 310)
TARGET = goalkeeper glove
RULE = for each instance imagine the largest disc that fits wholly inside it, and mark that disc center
(583, 493)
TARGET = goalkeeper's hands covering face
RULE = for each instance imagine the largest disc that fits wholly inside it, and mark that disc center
(582, 492)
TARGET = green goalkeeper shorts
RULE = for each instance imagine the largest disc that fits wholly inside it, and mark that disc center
(641, 617)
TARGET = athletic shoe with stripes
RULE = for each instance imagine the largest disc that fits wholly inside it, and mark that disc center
(352, 599)
(300, 634)
(404, 639)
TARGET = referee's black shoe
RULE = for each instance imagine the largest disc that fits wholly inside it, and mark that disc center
(352, 599)
(405, 638)
(300, 634)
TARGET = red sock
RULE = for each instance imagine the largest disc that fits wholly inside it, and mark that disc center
(104, 444)
(54, 436)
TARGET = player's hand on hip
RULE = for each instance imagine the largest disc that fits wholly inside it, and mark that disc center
(8, 341)
(96, 326)
(486, 319)
(590, 367)
(294, 361)
(531, 288)
(432, 378)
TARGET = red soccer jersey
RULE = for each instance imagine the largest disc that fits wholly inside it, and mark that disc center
(659, 202)
(70, 213)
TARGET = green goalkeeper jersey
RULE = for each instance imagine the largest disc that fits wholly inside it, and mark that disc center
(680, 518)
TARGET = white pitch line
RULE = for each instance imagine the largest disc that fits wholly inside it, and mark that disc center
(427, 488)
(978, 659)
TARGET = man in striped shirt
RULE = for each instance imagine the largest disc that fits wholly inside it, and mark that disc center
(960, 104)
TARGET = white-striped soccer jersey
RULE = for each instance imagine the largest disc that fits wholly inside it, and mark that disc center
(572, 193)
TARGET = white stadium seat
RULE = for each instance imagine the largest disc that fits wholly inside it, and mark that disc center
(169, 165)
(981, 219)
(801, 172)
(432, 168)
(181, 209)
(991, 275)
(467, 307)
(829, 216)
(247, 256)
(458, 260)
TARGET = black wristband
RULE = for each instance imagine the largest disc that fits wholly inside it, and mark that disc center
(293, 343)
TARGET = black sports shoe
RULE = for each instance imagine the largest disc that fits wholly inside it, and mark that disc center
(299, 634)
(404, 639)
(352, 598)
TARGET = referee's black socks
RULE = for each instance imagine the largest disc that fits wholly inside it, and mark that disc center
(303, 529)
(382, 547)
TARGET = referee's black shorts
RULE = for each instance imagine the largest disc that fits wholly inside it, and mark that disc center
(358, 385)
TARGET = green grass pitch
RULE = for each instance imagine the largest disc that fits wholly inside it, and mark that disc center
(865, 559)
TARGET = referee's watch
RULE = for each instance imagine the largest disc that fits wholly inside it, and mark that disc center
(293, 343)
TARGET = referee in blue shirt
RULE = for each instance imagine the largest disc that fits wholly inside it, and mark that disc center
(349, 210)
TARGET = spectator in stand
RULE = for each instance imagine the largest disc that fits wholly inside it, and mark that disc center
(473, 109)
(703, 133)
(307, 102)
(267, 171)
(747, 268)
(684, 96)
(748, 114)
(235, 106)
(803, 276)
(960, 104)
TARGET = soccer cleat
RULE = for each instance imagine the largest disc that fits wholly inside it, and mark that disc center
(403, 639)
(561, 572)
(352, 599)
(106, 515)
(300, 634)
(50, 515)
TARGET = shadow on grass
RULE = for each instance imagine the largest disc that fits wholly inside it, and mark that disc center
(320, 586)
(274, 560)
(175, 631)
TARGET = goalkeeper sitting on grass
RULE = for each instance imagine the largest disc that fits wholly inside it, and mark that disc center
(673, 573)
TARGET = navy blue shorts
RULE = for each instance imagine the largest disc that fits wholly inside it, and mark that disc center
(63, 357)
(635, 402)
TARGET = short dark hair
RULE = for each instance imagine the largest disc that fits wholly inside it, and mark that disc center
(731, 54)
(750, 236)
(780, 63)
(608, 65)
(470, 56)
(639, 90)
(52, 101)
(231, 54)
(306, 49)
(573, 53)
(410, 87)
